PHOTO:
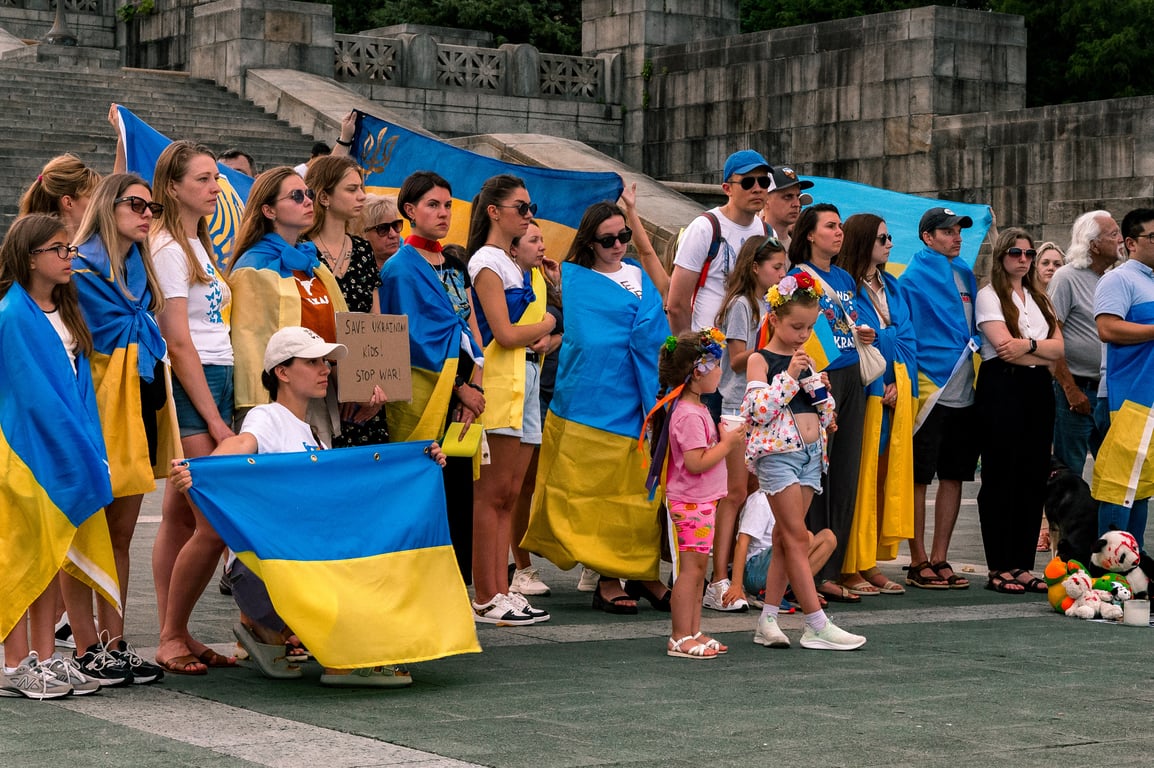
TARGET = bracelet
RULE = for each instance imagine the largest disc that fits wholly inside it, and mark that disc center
(477, 387)
(344, 143)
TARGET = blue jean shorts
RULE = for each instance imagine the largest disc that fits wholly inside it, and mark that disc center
(778, 471)
(756, 567)
(530, 431)
(219, 378)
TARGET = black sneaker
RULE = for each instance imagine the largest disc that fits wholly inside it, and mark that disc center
(99, 664)
(64, 637)
(142, 671)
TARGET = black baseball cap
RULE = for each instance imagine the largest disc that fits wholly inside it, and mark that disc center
(942, 218)
(784, 176)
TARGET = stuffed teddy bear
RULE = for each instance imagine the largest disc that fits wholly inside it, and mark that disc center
(1117, 552)
(1088, 602)
(1056, 572)
(1110, 586)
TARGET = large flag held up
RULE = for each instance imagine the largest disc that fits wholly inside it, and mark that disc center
(362, 576)
(142, 148)
(388, 153)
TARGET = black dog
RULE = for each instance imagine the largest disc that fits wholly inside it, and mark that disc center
(1072, 514)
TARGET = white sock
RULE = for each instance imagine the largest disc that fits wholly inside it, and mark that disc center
(816, 620)
(770, 611)
(9, 670)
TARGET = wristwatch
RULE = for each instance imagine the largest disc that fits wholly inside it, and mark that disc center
(1033, 346)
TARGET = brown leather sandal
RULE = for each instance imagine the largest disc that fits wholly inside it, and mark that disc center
(914, 577)
(954, 581)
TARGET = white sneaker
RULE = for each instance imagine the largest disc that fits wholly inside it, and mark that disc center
(712, 599)
(769, 633)
(527, 581)
(588, 580)
(831, 639)
(68, 671)
(501, 612)
(521, 604)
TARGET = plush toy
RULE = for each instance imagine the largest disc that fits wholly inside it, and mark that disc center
(1106, 585)
(1117, 552)
(1088, 603)
(1121, 593)
(1056, 572)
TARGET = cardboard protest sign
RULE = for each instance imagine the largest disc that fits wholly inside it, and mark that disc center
(378, 356)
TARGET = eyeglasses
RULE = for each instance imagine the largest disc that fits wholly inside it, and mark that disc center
(298, 196)
(748, 182)
(1029, 253)
(523, 209)
(886, 238)
(139, 205)
(63, 252)
(383, 229)
(607, 241)
(1148, 237)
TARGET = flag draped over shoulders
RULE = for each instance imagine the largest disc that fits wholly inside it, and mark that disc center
(409, 286)
(54, 467)
(265, 298)
(887, 440)
(127, 347)
(592, 505)
(505, 368)
(364, 578)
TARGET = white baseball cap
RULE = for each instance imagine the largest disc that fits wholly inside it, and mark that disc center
(295, 341)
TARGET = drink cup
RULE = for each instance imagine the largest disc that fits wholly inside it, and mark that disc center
(1136, 612)
(815, 388)
(732, 423)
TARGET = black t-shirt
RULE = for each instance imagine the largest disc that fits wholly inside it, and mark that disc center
(778, 364)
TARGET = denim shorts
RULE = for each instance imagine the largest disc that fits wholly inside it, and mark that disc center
(778, 471)
(756, 567)
(530, 431)
(219, 378)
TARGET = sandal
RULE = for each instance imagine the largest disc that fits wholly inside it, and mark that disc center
(953, 581)
(795, 604)
(613, 604)
(698, 652)
(841, 595)
(914, 577)
(882, 582)
(637, 590)
(861, 587)
(1034, 585)
(712, 643)
(213, 660)
(1005, 583)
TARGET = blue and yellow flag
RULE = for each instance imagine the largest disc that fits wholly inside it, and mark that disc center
(55, 479)
(389, 153)
(142, 147)
(1124, 468)
(887, 441)
(592, 505)
(902, 214)
(363, 576)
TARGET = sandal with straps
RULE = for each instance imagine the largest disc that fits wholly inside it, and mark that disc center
(713, 643)
(954, 581)
(914, 577)
(1005, 583)
(698, 652)
(1034, 585)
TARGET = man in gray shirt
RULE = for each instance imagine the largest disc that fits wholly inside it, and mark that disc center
(1094, 242)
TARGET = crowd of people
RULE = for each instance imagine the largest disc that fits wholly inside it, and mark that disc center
(796, 467)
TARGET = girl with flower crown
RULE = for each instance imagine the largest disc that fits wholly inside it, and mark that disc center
(690, 367)
(787, 450)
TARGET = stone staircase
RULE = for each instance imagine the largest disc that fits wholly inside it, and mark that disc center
(47, 110)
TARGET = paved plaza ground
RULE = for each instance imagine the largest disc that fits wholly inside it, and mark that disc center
(958, 679)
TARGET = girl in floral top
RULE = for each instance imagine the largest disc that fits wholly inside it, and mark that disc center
(786, 448)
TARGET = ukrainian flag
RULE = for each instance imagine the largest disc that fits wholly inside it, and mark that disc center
(389, 153)
(265, 298)
(1124, 469)
(591, 504)
(887, 441)
(55, 473)
(367, 581)
(505, 368)
(409, 286)
(127, 347)
(142, 148)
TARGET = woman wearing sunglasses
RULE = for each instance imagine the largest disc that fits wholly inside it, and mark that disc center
(381, 225)
(118, 297)
(592, 506)
(884, 514)
(1015, 403)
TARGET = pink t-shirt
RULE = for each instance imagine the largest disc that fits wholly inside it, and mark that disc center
(691, 427)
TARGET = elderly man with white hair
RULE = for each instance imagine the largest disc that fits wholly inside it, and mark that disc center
(1095, 242)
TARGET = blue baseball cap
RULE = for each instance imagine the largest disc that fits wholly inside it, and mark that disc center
(744, 161)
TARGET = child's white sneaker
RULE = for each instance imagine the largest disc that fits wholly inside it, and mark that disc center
(713, 598)
(769, 633)
(831, 638)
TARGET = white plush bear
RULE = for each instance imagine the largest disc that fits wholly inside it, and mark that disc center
(1088, 603)
(1117, 552)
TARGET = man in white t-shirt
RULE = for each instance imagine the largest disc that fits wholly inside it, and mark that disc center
(693, 304)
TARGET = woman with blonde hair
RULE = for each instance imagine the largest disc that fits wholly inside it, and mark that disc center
(63, 187)
(380, 222)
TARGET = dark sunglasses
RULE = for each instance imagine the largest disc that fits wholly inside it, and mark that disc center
(883, 239)
(1015, 252)
(607, 241)
(770, 244)
(139, 205)
(748, 182)
(63, 252)
(523, 209)
(298, 196)
(383, 229)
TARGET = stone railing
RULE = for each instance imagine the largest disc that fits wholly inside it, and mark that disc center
(419, 61)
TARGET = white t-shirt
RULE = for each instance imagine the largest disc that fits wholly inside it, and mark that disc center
(757, 522)
(628, 277)
(65, 335)
(493, 258)
(277, 430)
(208, 304)
(693, 249)
(1031, 321)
